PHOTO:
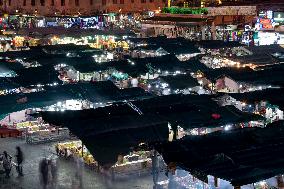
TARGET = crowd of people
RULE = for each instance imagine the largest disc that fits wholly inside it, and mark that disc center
(48, 169)
(7, 162)
(48, 172)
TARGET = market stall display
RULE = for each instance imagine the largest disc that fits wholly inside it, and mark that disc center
(135, 161)
(6, 132)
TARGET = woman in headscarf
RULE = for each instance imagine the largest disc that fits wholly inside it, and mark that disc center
(7, 163)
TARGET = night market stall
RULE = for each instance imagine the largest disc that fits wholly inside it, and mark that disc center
(236, 156)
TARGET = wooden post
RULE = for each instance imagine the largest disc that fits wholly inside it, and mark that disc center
(82, 150)
(216, 182)
(280, 182)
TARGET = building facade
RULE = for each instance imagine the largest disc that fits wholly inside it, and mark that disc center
(77, 7)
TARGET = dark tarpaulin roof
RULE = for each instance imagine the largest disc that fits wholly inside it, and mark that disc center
(107, 146)
(273, 96)
(18, 102)
(217, 44)
(64, 47)
(189, 111)
(273, 75)
(6, 83)
(173, 46)
(122, 65)
(256, 59)
(178, 49)
(164, 63)
(67, 117)
(266, 49)
(193, 111)
(134, 93)
(148, 47)
(180, 81)
(21, 54)
(241, 156)
(36, 75)
(195, 65)
(74, 32)
(112, 130)
(104, 91)
(108, 136)
(167, 62)
(151, 40)
(4, 64)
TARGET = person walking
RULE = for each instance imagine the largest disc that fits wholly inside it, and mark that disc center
(7, 163)
(20, 158)
(53, 169)
(43, 172)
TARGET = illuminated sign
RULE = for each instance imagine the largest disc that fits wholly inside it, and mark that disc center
(279, 16)
(266, 14)
(265, 24)
(232, 10)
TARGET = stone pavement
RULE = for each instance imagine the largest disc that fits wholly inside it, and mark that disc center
(66, 171)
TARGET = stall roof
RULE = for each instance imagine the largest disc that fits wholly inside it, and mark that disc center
(189, 111)
(193, 111)
(21, 54)
(108, 137)
(180, 81)
(140, 121)
(217, 44)
(6, 83)
(74, 32)
(257, 59)
(64, 47)
(173, 46)
(272, 75)
(13, 65)
(241, 156)
(267, 49)
(99, 92)
(178, 49)
(195, 65)
(36, 75)
(121, 66)
(273, 96)
(164, 63)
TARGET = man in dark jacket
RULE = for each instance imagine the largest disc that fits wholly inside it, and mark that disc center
(20, 159)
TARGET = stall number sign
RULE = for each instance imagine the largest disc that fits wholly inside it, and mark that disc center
(266, 14)
(265, 24)
(279, 16)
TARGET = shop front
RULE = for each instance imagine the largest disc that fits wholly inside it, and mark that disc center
(138, 161)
